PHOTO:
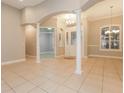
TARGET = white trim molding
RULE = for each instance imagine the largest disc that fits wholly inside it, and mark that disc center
(84, 57)
(93, 45)
(30, 56)
(103, 56)
(13, 61)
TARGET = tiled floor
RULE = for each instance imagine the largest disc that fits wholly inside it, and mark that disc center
(57, 76)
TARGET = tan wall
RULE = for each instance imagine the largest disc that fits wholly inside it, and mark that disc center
(30, 32)
(94, 36)
(52, 22)
(13, 37)
(84, 28)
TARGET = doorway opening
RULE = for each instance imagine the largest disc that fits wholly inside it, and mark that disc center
(61, 28)
(47, 42)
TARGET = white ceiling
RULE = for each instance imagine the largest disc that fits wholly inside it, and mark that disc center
(102, 9)
(24, 3)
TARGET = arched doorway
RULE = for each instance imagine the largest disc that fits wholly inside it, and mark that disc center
(67, 40)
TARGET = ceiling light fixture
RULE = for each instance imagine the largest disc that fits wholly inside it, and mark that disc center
(70, 19)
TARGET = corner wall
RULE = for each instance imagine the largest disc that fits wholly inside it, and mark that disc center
(30, 35)
(12, 35)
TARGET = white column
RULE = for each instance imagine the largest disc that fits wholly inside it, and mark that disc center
(78, 46)
(38, 43)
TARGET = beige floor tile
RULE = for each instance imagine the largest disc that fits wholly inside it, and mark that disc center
(38, 80)
(9, 75)
(112, 85)
(16, 82)
(90, 88)
(48, 86)
(63, 89)
(29, 76)
(5, 88)
(112, 88)
(37, 90)
(91, 85)
(24, 88)
(10, 91)
(57, 76)
(74, 82)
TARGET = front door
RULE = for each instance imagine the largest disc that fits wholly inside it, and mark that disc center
(70, 42)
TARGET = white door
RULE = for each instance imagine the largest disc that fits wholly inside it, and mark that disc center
(70, 42)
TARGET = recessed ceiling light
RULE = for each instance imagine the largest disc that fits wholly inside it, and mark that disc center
(21, 0)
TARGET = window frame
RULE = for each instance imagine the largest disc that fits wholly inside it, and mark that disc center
(120, 41)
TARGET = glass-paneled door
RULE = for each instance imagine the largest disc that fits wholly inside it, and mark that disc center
(70, 42)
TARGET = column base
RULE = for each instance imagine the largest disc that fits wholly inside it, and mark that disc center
(78, 72)
(37, 61)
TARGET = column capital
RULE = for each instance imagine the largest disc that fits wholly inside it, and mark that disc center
(77, 11)
(37, 23)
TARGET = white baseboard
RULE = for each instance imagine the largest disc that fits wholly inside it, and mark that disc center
(114, 57)
(13, 61)
(84, 56)
(72, 56)
(30, 56)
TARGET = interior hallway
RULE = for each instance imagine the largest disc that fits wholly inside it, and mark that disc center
(57, 76)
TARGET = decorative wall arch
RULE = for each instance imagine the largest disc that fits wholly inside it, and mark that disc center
(49, 7)
(53, 14)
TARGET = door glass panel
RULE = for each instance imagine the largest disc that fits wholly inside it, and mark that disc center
(73, 38)
(105, 38)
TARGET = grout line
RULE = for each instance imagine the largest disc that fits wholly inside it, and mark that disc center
(33, 83)
(66, 67)
(37, 87)
(9, 86)
(86, 76)
(28, 82)
(117, 71)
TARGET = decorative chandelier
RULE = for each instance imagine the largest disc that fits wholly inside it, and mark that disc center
(70, 19)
